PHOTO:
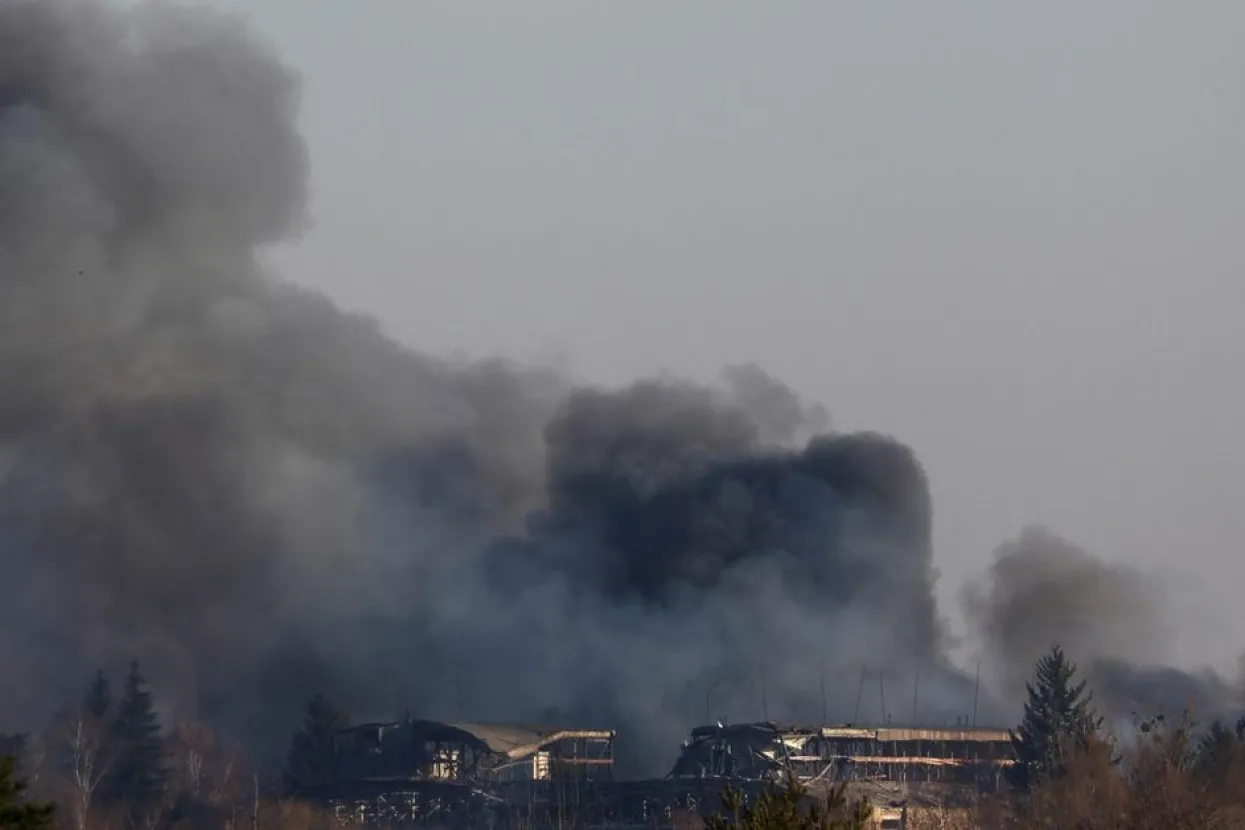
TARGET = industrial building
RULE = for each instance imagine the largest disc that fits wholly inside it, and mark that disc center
(418, 772)
(473, 753)
(959, 755)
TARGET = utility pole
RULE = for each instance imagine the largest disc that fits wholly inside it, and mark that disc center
(976, 693)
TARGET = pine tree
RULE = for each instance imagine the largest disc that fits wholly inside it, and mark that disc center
(86, 750)
(1057, 716)
(140, 773)
(311, 756)
(98, 699)
(15, 812)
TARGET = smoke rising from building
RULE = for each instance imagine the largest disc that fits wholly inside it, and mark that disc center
(261, 496)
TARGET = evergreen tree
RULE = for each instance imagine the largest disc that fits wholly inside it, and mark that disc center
(1057, 716)
(15, 812)
(311, 756)
(139, 776)
(98, 699)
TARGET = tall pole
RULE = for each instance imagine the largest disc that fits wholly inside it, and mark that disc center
(882, 691)
(976, 693)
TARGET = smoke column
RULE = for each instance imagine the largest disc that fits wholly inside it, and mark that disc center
(1112, 619)
(261, 496)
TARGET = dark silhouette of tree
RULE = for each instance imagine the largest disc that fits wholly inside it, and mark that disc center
(12, 746)
(1219, 753)
(139, 774)
(98, 699)
(311, 756)
(1058, 717)
(84, 750)
(15, 812)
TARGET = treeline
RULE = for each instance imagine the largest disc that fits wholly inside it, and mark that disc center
(106, 762)
(1070, 772)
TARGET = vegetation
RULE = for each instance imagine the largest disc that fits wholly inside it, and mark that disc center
(310, 757)
(138, 774)
(1166, 778)
(1058, 718)
(107, 764)
(791, 808)
(1068, 773)
(16, 813)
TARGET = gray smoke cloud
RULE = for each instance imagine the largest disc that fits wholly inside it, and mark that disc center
(261, 496)
(1112, 619)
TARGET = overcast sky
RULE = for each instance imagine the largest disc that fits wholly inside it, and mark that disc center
(1009, 234)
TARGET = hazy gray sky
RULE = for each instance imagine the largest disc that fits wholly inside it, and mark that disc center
(1007, 233)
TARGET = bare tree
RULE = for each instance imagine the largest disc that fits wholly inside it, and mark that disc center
(89, 757)
(190, 750)
(226, 780)
(34, 761)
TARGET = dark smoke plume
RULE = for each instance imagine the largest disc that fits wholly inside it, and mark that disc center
(261, 496)
(1042, 589)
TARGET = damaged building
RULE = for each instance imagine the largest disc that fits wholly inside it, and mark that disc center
(418, 772)
(473, 753)
(413, 772)
(958, 755)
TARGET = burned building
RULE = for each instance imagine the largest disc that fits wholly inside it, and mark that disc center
(959, 755)
(473, 753)
(416, 772)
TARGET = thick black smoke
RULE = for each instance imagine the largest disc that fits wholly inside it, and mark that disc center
(261, 496)
(1042, 589)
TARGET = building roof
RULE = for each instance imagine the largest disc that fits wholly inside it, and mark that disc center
(892, 733)
(511, 740)
(516, 740)
(862, 732)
